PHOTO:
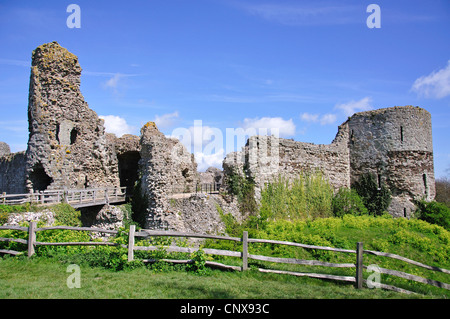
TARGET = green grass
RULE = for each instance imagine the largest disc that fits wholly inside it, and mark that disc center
(413, 239)
(43, 278)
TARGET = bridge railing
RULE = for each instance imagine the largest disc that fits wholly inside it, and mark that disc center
(74, 197)
(206, 188)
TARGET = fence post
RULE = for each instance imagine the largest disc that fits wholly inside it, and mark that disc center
(131, 243)
(359, 265)
(4, 198)
(65, 195)
(31, 238)
(244, 250)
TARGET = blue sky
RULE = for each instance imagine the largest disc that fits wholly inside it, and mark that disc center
(301, 66)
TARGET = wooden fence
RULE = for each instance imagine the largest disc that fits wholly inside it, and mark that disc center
(74, 197)
(359, 252)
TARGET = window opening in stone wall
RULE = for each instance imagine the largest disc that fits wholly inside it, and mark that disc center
(73, 136)
(351, 138)
(57, 133)
(425, 184)
(379, 181)
(404, 212)
(401, 133)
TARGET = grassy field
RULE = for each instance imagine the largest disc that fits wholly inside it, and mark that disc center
(47, 279)
(105, 272)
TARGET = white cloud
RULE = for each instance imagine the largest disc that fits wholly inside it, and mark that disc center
(325, 119)
(204, 161)
(316, 13)
(166, 120)
(328, 119)
(284, 127)
(15, 62)
(307, 117)
(205, 142)
(19, 126)
(435, 85)
(113, 82)
(116, 124)
(365, 104)
(348, 109)
(199, 137)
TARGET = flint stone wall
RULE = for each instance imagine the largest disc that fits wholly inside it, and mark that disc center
(166, 167)
(4, 149)
(264, 158)
(394, 143)
(12, 173)
(198, 213)
(67, 143)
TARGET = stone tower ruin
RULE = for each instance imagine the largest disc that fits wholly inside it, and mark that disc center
(166, 168)
(394, 144)
(67, 144)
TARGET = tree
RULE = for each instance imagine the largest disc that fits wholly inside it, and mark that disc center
(443, 191)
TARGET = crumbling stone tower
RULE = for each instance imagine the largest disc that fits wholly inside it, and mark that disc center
(67, 144)
(166, 167)
(395, 144)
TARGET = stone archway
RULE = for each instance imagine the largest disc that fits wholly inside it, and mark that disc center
(128, 169)
(39, 178)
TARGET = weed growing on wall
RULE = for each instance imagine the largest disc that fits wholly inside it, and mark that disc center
(244, 189)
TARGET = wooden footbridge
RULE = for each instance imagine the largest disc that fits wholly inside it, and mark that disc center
(77, 198)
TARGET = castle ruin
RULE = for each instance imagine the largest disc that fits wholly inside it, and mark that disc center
(394, 144)
(68, 147)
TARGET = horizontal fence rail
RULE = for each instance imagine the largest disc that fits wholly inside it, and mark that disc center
(243, 255)
(74, 197)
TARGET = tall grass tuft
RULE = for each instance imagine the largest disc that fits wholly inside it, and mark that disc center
(308, 196)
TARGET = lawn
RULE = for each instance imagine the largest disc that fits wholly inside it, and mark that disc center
(46, 279)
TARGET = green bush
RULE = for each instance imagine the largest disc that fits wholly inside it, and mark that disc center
(347, 201)
(198, 265)
(375, 197)
(66, 215)
(434, 213)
